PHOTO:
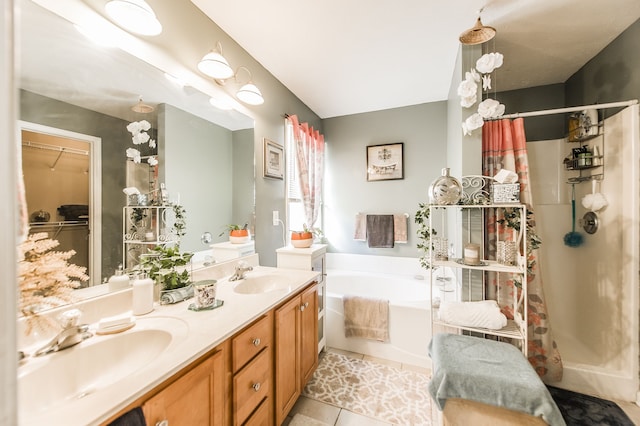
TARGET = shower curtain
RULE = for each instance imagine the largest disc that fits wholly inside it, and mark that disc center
(504, 147)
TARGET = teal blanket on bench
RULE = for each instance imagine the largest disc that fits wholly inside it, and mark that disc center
(494, 373)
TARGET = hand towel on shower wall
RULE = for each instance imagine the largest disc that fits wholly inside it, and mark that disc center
(400, 228)
(360, 233)
(366, 318)
(380, 230)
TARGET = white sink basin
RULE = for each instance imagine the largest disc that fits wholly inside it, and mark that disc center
(262, 283)
(73, 373)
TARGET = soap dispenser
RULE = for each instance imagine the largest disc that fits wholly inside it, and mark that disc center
(119, 280)
(142, 295)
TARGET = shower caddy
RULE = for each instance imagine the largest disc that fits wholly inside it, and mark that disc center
(465, 223)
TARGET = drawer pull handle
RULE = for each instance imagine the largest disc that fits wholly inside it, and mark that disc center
(256, 387)
(303, 307)
(163, 423)
(256, 342)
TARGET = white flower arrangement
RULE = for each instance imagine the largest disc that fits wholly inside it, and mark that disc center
(139, 136)
(489, 62)
(490, 108)
(472, 123)
(468, 92)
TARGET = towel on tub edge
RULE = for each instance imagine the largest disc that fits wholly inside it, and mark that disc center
(366, 318)
(484, 314)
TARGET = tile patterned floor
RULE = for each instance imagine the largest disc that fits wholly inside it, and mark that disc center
(337, 416)
(340, 417)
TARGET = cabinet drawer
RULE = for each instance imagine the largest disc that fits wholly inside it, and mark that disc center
(251, 385)
(251, 341)
(261, 416)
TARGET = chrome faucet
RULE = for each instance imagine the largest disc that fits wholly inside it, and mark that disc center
(72, 333)
(241, 269)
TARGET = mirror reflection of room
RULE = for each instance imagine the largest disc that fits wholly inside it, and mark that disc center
(56, 177)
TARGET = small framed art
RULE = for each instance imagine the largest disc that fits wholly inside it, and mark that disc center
(385, 162)
(273, 154)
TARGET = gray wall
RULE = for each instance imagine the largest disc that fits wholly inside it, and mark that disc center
(611, 76)
(243, 210)
(196, 159)
(422, 129)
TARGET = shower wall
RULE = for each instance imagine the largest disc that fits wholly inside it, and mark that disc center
(592, 290)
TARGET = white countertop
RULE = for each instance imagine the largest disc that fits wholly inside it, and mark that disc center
(206, 329)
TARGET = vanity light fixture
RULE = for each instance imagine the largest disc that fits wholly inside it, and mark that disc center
(249, 93)
(135, 16)
(215, 65)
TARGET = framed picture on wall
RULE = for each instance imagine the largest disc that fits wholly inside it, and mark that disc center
(385, 162)
(273, 154)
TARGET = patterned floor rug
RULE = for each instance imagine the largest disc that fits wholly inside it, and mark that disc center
(400, 397)
(584, 410)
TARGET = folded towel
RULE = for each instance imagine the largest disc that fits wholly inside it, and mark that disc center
(490, 372)
(168, 297)
(366, 318)
(380, 230)
(360, 233)
(400, 228)
(484, 314)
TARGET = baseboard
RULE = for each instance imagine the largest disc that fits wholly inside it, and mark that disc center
(598, 382)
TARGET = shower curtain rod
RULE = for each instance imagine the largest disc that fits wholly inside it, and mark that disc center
(568, 109)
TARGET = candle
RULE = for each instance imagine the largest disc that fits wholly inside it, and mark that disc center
(471, 254)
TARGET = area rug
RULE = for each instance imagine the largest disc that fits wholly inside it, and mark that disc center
(583, 410)
(386, 393)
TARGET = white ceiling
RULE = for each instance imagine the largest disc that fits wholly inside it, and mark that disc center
(346, 57)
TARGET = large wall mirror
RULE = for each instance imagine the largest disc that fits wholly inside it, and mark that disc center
(76, 101)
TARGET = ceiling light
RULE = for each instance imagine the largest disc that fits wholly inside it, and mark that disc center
(135, 16)
(478, 33)
(215, 65)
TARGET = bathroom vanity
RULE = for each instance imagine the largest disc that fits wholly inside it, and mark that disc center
(221, 366)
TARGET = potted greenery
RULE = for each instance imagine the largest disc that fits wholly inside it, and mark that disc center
(162, 265)
(304, 238)
(237, 234)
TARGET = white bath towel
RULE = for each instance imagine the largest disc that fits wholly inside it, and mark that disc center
(400, 228)
(360, 233)
(366, 317)
(483, 314)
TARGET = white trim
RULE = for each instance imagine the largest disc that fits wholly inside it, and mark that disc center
(95, 190)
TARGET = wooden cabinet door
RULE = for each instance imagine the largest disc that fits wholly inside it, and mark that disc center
(308, 334)
(287, 381)
(196, 398)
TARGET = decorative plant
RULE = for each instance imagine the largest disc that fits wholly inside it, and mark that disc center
(45, 278)
(511, 219)
(139, 136)
(161, 263)
(180, 222)
(306, 233)
(424, 234)
(232, 229)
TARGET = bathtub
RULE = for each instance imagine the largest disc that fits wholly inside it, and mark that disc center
(397, 279)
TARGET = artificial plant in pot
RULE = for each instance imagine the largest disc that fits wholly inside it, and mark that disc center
(163, 264)
(304, 238)
(237, 234)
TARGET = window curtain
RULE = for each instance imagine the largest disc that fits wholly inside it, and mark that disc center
(504, 147)
(309, 152)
